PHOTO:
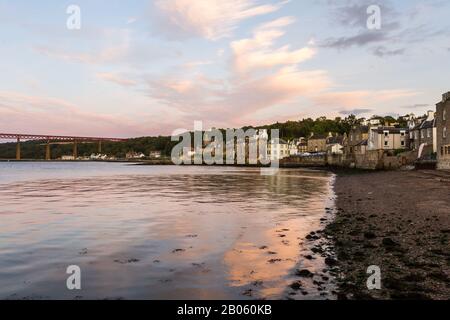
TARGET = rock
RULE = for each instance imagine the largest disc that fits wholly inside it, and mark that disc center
(369, 235)
(274, 260)
(331, 261)
(388, 242)
(304, 273)
(297, 285)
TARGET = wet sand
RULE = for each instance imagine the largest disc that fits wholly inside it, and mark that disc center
(399, 221)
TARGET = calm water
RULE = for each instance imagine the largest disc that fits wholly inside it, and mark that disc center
(145, 232)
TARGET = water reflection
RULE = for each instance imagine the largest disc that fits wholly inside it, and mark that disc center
(157, 232)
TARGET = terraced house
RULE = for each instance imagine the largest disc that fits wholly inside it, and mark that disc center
(423, 136)
(443, 132)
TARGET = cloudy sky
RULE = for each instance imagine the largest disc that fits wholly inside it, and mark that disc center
(145, 67)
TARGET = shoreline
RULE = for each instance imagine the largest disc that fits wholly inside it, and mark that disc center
(399, 221)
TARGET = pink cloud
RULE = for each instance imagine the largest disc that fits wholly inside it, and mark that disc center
(211, 19)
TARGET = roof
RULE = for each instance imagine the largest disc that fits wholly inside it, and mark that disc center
(363, 129)
(390, 129)
(362, 143)
(335, 140)
(427, 124)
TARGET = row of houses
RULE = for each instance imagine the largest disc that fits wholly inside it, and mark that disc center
(425, 138)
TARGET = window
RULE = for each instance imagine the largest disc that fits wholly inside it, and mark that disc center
(386, 134)
(444, 114)
(386, 143)
(402, 133)
(442, 151)
(444, 133)
(416, 133)
(422, 134)
(429, 133)
(403, 143)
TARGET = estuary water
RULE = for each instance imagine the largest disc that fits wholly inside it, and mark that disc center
(159, 232)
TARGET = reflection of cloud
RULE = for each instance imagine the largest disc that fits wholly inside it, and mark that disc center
(211, 19)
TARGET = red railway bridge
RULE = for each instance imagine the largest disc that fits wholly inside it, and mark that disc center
(54, 139)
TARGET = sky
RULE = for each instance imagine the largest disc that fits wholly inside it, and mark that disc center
(141, 67)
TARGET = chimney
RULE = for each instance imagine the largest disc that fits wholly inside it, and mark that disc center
(430, 115)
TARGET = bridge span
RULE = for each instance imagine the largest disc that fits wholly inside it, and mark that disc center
(55, 139)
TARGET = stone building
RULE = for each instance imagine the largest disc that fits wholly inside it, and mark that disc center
(388, 138)
(356, 135)
(423, 137)
(443, 132)
(318, 143)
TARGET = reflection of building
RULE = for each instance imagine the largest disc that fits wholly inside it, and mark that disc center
(443, 132)
(388, 138)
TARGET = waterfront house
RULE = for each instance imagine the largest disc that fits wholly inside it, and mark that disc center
(135, 155)
(155, 154)
(388, 138)
(423, 135)
(356, 135)
(318, 142)
(278, 149)
(443, 132)
(298, 146)
(335, 144)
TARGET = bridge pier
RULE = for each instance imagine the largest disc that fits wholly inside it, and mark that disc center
(18, 156)
(48, 155)
(99, 147)
(75, 150)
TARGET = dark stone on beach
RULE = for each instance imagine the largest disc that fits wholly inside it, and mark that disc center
(331, 261)
(271, 252)
(414, 277)
(297, 285)
(274, 260)
(257, 283)
(263, 248)
(133, 260)
(248, 293)
(409, 296)
(369, 235)
(388, 242)
(309, 257)
(178, 250)
(304, 273)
